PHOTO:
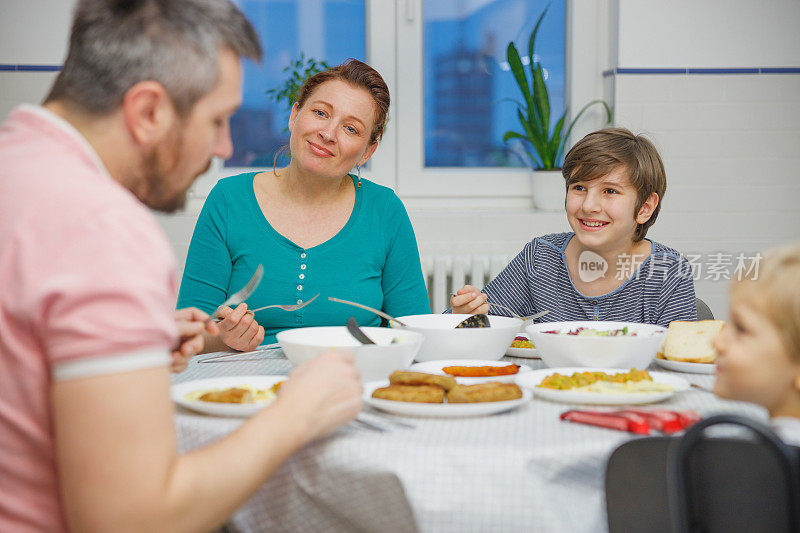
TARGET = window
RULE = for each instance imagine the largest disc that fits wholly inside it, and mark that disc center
(469, 90)
(451, 90)
(325, 30)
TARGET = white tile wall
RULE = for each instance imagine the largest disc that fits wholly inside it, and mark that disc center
(731, 148)
(19, 87)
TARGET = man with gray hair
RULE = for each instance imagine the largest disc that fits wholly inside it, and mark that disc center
(88, 283)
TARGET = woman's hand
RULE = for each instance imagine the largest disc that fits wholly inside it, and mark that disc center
(191, 323)
(470, 301)
(239, 329)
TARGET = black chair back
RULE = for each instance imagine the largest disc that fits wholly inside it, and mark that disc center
(699, 484)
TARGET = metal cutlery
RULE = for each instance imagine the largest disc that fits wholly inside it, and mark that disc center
(515, 315)
(287, 307)
(369, 425)
(355, 331)
(223, 358)
(362, 419)
(290, 307)
(241, 295)
(379, 313)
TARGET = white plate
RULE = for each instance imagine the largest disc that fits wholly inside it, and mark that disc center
(532, 379)
(525, 353)
(439, 410)
(180, 390)
(435, 367)
(690, 368)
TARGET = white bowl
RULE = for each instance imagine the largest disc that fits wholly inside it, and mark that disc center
(374, 361)
(444, 341)
(590, 351)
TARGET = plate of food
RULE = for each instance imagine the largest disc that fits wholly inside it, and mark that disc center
(523, 347)
(470, 371)
(688, 346)
(687, 367)
(434, 395)
(238, 396)
(602, 386)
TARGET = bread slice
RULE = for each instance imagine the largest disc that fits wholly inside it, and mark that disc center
(690, 341)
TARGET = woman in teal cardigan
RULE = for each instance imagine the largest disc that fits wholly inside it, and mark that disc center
(315, 227)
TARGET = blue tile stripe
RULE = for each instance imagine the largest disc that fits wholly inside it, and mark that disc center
(696, 70)
(30, 68)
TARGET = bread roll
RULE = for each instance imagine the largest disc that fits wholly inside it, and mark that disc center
(690, 341)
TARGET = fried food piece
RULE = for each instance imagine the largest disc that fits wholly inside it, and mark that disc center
(411, 393)
(231, 395)
(484, 392)
(481, 371)
(401, 377)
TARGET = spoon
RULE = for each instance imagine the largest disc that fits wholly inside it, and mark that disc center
(355, 331)
(379, 313)
(475, 321)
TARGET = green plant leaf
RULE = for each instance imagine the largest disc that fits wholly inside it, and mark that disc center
(554, 146)
(578, 116)
(515, 64)
(513, 135)
(534, 137)
(297, 72)
(541, 99)
(532, 38)
(534, 112)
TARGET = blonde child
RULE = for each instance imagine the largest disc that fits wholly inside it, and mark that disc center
(759, 349)
(605, 269)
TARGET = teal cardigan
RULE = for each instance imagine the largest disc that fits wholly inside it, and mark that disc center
(373, 260)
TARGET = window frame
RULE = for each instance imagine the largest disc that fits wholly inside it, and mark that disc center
(394, 45)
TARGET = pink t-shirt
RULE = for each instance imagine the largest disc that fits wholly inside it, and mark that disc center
(87, 286)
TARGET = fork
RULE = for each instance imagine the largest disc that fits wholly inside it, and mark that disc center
(241, 295)
(292, 307)
(515, 315)
(289, 307)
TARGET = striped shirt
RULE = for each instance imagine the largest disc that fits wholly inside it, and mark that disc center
(659, 291)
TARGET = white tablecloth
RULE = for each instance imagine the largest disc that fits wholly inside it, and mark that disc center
(523, 470)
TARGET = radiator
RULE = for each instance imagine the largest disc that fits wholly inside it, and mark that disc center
(445, 274)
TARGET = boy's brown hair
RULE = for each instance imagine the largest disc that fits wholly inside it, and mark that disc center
(774, 289)
(603, 151)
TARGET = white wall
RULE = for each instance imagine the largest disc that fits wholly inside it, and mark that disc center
(34, 31)
(709, 33)
(729, 142)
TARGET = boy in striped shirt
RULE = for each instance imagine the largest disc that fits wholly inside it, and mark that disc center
(605, 269)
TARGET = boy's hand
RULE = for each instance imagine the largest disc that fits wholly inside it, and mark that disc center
(469, 301)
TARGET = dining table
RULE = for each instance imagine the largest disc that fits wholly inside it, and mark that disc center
(520, 470)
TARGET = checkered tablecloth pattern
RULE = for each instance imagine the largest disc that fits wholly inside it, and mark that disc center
(523, 470)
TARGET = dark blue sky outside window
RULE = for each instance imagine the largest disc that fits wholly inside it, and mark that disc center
(467, 76)
(327, 30)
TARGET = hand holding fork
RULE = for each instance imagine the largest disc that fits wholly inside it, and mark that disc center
(469, 300)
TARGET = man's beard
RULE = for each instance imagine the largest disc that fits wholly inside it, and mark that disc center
(160, 172)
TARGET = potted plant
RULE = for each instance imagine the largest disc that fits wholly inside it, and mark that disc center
(299, 71)
(544, 148)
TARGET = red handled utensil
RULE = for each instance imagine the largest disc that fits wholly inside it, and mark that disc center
(639, 421)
